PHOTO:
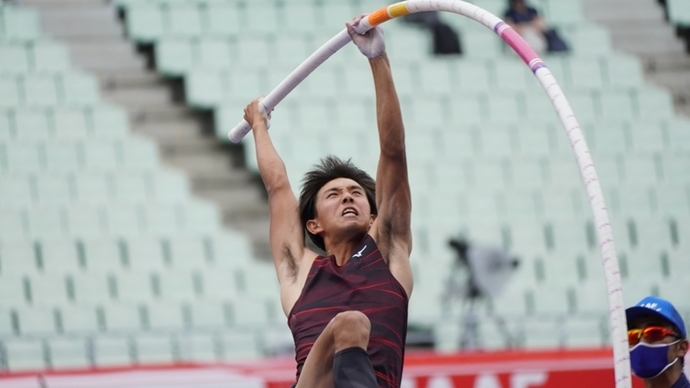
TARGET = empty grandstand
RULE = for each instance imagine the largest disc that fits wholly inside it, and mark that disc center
(133, 233)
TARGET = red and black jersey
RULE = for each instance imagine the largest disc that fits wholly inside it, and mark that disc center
(364, 283)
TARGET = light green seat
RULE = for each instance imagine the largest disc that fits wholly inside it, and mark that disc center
(533, 140)
(7, 131)
(129, 187)
(62, 157)
(223, 19)
(17, 258)
(183, 20)
(643, 169)
(584, 74)
(139, 153)
(12, 223)
(144, 23)
(35, 320)
(199, 217)
(622, 71)
(436, 76)
(31, 124)
(69, 123)
(258, 18)
(503, 109)
(21, 157)
(90, 288)
(207, 89)
(214, 53)
(84, 221)
(103, 255)
(49, 56)
(68, 352)
(98, 156)
(154, 348)
(174, 56)
(169, 186)
(588, 39)
(510, 75)
(480, 44)
(471, 76)
(14, 191)
(165, 316)
(609, 138)
(653, 103)
(615, 105)
(254, 50)
(198, 347)
(648, 136)
(79, 89)
(466, 110)
(679, 12)
(300, 17)
(19, 24)
(111, 350)
(51, 189)
(563, 12)
(40, 91)
(108, 121)
(239, 345)
(24, 354)
(13, 59)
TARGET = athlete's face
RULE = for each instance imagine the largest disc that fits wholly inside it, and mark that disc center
(341, 205)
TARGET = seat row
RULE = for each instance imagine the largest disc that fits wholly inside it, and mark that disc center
(557, 235)
(160, 185)
(100, 255)
(39, 90)
(192, 216)
(69, 156)
(142, 348)
(39, 56)
(97, 121)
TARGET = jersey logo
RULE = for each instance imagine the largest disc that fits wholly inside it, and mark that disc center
(359, 254)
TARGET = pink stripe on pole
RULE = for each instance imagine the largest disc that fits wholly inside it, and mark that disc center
(521, 47)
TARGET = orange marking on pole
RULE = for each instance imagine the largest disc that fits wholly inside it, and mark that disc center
(379, 16)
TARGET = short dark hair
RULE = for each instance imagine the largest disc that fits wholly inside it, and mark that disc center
(329, 168)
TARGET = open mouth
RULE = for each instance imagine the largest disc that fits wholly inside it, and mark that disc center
(350, 211)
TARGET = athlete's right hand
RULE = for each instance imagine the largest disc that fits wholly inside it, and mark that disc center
(371, 43)
(255, 114)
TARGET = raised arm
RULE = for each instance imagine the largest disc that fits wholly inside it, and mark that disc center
(391, 230)
(286, 232)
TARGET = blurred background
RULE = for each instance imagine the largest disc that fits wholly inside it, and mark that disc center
(132, 232)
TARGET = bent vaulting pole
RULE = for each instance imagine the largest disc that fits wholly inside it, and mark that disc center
(617, 321)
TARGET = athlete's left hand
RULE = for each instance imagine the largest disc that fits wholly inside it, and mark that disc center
(371, 43)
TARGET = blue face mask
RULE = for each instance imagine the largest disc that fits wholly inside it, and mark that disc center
(648, 361)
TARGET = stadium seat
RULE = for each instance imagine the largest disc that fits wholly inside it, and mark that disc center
(679, 12)
(174, 57)
(211, 314)
(144, 22)
(19, 24)
(653, 103)
(223, 19)
(164, 316)
(182, 20)
(584, 73)
(13, 60)
(24, 354)
(122, 318)
(240, 345)
(17, 258)
(154, 348)
(199, 347)
(13, 224)
(90, 289)
(9, 92)
(38, 321)
(178, 286)
(112, 350)
(622, 71)
(563, 13)
(212, 54)
(40, 91)
(49, 57)
(66, 352)
(69, 123)
(136, 287)
(108, 121)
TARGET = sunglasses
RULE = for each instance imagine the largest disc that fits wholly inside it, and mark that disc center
(650, 334)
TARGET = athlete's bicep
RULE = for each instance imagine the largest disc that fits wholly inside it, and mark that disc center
(286, 234)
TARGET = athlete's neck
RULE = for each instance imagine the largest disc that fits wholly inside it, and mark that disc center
(342, 249)
(666, 379)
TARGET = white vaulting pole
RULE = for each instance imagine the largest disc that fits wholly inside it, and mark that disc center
(617, 321)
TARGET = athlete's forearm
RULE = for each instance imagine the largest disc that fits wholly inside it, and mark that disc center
(388, 114)
(271, 166)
